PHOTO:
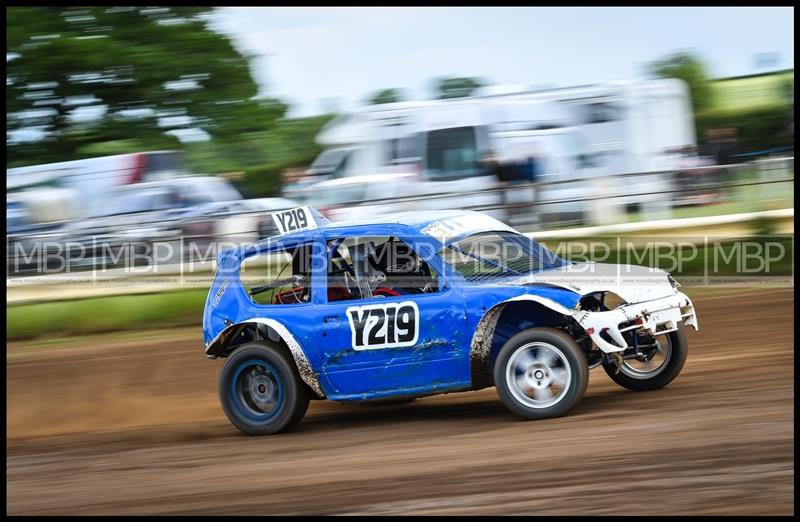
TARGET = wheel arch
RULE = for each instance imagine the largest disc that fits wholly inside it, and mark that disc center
(261, 329)
(503, 320)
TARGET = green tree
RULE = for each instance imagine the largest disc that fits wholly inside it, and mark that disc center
(262, 156)
(456, 87)
(786, 88)
(386, 96)
(692, 70)
(138, 75)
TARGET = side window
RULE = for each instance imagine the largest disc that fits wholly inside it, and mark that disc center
(370, 267)
(452, 153)
(279, 277)
(341, 167)
(409, 149)
(601, 112)
(403, 150)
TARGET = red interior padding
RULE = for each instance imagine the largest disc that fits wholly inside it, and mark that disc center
(335, 293)
(289, 296)
(338, 293)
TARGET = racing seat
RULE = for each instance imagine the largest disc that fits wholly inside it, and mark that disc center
(405, 272)
(367, 276)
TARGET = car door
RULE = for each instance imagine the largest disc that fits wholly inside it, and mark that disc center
(384, 345)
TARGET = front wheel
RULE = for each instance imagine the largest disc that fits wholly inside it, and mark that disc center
(655, 368)
(541, 373)
(260, 390)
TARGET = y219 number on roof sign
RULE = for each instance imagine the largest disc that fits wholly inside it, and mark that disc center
(294, 219)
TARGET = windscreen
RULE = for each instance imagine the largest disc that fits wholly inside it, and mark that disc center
(328, 161)
(487, 256)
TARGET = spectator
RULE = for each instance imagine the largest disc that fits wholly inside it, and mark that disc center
(722, 145)
(515, 174)
(533, 168)
(490, 166)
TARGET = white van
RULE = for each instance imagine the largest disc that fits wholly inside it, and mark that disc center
(445, 145)
(93, 179)
(583, 138)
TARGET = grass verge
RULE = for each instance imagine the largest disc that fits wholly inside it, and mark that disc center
(105, 314)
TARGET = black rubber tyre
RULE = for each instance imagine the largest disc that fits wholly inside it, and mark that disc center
(260, 390)
(570, 363)
(672, 367)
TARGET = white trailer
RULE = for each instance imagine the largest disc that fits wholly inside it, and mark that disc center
(632, 126)
(587, 135)
(446, 145)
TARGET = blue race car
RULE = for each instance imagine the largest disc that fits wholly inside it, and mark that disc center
(423, 303)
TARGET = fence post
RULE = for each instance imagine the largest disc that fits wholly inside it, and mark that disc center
(659, 206)
(606, 209)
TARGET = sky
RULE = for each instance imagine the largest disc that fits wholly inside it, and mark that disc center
(318, 59)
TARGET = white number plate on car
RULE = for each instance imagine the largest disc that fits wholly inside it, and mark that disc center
(294, 220)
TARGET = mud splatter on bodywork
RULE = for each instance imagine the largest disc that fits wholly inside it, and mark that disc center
(276, 332)
(481, 345)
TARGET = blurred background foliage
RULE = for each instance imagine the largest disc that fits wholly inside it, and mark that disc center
(760, 107)
(83, 76)
(386, 96)
(690, 69)
(456, 86)
(94, 81)
(262, 156)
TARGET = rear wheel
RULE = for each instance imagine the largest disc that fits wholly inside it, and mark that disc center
(657, 366)
(541, 373)
(260, 390)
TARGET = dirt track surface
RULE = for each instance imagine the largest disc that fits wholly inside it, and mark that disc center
(133, 426)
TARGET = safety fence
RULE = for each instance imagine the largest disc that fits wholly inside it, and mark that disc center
(550, 204)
